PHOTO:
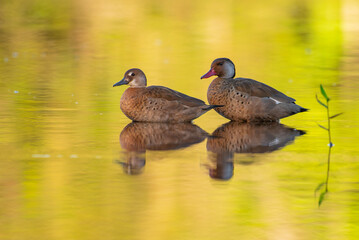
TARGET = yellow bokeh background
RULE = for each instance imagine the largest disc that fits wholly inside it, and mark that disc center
(60, 119)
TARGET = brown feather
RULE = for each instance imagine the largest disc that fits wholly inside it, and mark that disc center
(258, 89)
(160, 104)
(172, 95)
(249, 100)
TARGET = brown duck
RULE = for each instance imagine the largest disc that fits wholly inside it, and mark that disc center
(245, 99)
(157, 103)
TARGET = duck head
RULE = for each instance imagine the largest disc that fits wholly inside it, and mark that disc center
(133, 77)
(221, 67)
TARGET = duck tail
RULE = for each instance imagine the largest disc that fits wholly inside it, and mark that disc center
(211, 106)
(303, 109)
(301, 132)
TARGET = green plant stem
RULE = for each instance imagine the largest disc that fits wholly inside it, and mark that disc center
(329, 134)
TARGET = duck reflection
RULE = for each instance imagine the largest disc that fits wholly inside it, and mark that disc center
(236, 137)
(138, 137)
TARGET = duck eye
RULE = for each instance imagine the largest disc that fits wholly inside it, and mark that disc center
(220, 63)
(132, 74)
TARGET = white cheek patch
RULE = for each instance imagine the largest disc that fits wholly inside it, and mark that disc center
(133, 82)
(276, 101)
(229, 69)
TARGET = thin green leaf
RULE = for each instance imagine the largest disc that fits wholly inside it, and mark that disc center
(336, 115)
(320, 102)
(324, 93)
(321, 198)
(322, 127)
(319, 187)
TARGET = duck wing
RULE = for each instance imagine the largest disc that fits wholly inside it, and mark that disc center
(258, 89)
(172, 95)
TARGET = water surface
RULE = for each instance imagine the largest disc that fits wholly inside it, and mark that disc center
(74, 167)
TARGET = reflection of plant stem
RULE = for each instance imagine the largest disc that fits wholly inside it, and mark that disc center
(328, 169)
(322, 195)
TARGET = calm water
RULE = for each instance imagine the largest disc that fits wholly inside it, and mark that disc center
(74, 167)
